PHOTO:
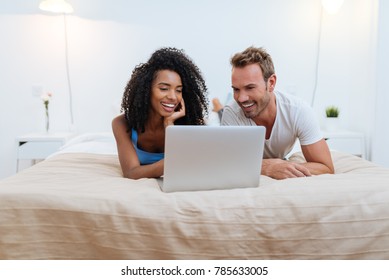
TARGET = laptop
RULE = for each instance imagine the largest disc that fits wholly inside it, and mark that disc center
(212, 157)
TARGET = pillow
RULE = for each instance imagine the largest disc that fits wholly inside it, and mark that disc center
(93, 143)
(89, 137)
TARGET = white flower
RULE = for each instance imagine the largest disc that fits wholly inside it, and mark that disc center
(46, 96)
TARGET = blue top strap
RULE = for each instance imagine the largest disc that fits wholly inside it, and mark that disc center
(143, 156)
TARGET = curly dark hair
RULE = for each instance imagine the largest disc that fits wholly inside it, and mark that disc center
(136, 98)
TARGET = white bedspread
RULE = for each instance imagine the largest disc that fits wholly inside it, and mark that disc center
(78, 206)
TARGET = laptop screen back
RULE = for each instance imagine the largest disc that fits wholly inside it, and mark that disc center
(212, 157)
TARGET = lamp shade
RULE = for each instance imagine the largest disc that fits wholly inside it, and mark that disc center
(56, 6)
(332, 6)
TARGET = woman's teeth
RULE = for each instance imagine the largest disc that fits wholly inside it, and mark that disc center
(168, 105)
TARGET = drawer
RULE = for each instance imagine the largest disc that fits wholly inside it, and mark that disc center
(348, 145)
(38, 150)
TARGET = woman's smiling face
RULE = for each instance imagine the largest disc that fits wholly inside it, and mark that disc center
(166, 92)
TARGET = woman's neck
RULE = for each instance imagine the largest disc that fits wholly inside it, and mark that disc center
(155, 122)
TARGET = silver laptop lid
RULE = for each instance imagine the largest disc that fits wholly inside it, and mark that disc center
(212, 157)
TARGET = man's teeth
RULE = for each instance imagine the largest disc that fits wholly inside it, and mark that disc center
(168, 105)
(248, 104)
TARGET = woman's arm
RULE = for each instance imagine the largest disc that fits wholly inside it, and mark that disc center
(128, 158)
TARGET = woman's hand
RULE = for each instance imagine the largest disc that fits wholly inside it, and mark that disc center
(176, 115)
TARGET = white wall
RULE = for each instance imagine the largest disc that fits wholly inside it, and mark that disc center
(380, 147)
(108, 38)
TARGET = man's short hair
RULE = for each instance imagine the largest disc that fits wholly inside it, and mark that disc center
(253, 55)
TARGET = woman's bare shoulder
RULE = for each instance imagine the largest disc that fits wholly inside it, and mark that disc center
(119, 125)
(119, 120)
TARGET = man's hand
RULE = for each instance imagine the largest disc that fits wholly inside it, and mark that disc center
(281, 169)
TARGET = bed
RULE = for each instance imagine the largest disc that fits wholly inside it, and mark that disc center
(77, 205)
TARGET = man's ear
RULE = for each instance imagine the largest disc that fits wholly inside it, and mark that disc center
(272, 82)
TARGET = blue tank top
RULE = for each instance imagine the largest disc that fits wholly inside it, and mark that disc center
(143, 156)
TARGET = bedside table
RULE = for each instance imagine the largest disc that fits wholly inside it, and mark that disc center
(346, 141)
(38, 146)
(341, 140)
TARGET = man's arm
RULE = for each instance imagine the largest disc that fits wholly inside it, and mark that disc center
(282, 169)
(318, 161)
(318, 158)
(317, 155)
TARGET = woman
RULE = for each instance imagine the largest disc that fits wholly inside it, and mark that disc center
(154, 99)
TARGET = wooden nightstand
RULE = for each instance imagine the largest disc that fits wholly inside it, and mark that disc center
(38, 146)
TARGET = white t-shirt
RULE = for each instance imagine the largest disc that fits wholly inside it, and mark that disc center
(295, 119)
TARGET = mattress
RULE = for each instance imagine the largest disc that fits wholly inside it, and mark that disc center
(77, 205)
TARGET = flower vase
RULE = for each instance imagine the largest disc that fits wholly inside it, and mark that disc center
(46, 99)
(47, 120)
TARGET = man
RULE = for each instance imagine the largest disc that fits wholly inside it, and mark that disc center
(285, 117)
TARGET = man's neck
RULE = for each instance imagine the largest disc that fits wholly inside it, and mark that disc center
(267, 117)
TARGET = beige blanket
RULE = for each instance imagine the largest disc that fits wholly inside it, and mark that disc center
(78, 206)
